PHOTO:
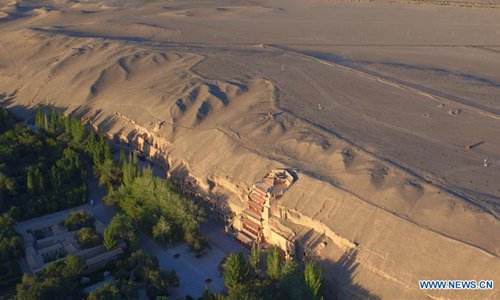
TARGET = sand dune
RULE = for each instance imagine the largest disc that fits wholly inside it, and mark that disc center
(376, 130)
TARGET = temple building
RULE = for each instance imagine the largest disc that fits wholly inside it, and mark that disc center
(259, 221)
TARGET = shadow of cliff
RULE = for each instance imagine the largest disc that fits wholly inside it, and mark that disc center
(215, 203)
(339, 280)
(339, 276)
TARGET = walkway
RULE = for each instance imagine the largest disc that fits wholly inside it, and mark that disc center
(193, 272)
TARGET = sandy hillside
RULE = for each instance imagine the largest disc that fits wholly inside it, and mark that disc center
(372, 103)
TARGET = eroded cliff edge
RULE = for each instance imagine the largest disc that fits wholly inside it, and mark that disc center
(384, 228)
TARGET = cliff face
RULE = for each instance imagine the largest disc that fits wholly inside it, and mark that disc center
(377, 228)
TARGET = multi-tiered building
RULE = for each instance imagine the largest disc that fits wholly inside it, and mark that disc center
(255, 224)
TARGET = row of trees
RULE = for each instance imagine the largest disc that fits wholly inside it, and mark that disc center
(268, 276)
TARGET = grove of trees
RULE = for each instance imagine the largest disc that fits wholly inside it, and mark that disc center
(138, 270)
(119, 228)
(156, 206)
(268, 276)
(60, 280)
(44, 169)
(11, 243)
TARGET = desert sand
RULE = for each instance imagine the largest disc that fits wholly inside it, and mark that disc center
(373, 103)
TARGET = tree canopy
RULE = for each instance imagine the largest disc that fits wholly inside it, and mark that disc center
(119, 228)
(236, 270)
(11, 243)
(282, 279)
(59, 280)
(78, 219)
(156, 206)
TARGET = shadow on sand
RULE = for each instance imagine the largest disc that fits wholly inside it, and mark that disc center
(343, 285)
(339, 280)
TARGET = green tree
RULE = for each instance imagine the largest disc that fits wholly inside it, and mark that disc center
(6, 183)
(11, 243)
(30, 181)
(79, 219)
(29, 288)
(106, 292)
(87, 238)
(45, 167)
(52, 288)
(236, 270)
(255, 257)
(209, 295)
(107, 173)
(34, 181)
(273, 263)
(243, 292)
(162, 230)
(313, 277)
(120, 227)
(130, 170)
(292, 281)
(157, 281)
(54, 270)
(74, 267)
(110, 239)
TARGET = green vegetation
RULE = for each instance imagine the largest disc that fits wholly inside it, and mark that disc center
(58, 281)
(156, 206)
(162, 231)
(255, 257)
(11, 247)
(78, 219)
(11, 243)
(45, 170)
(72, 132)
(87, 237)
(120, 227)
(138, 270)
(313, 278)
(281, 279)
(236, 270)
(122, 289)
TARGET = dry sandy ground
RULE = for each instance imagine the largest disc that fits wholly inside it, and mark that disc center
(373, 103)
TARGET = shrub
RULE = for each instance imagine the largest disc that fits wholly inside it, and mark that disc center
(78, 219)
(87, 238)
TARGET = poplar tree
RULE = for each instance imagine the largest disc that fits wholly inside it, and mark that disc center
(236, 270)
(273, 263)
(255, 257)
(313, 277)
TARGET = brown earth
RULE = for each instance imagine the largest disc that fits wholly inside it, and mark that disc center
(372, 103)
